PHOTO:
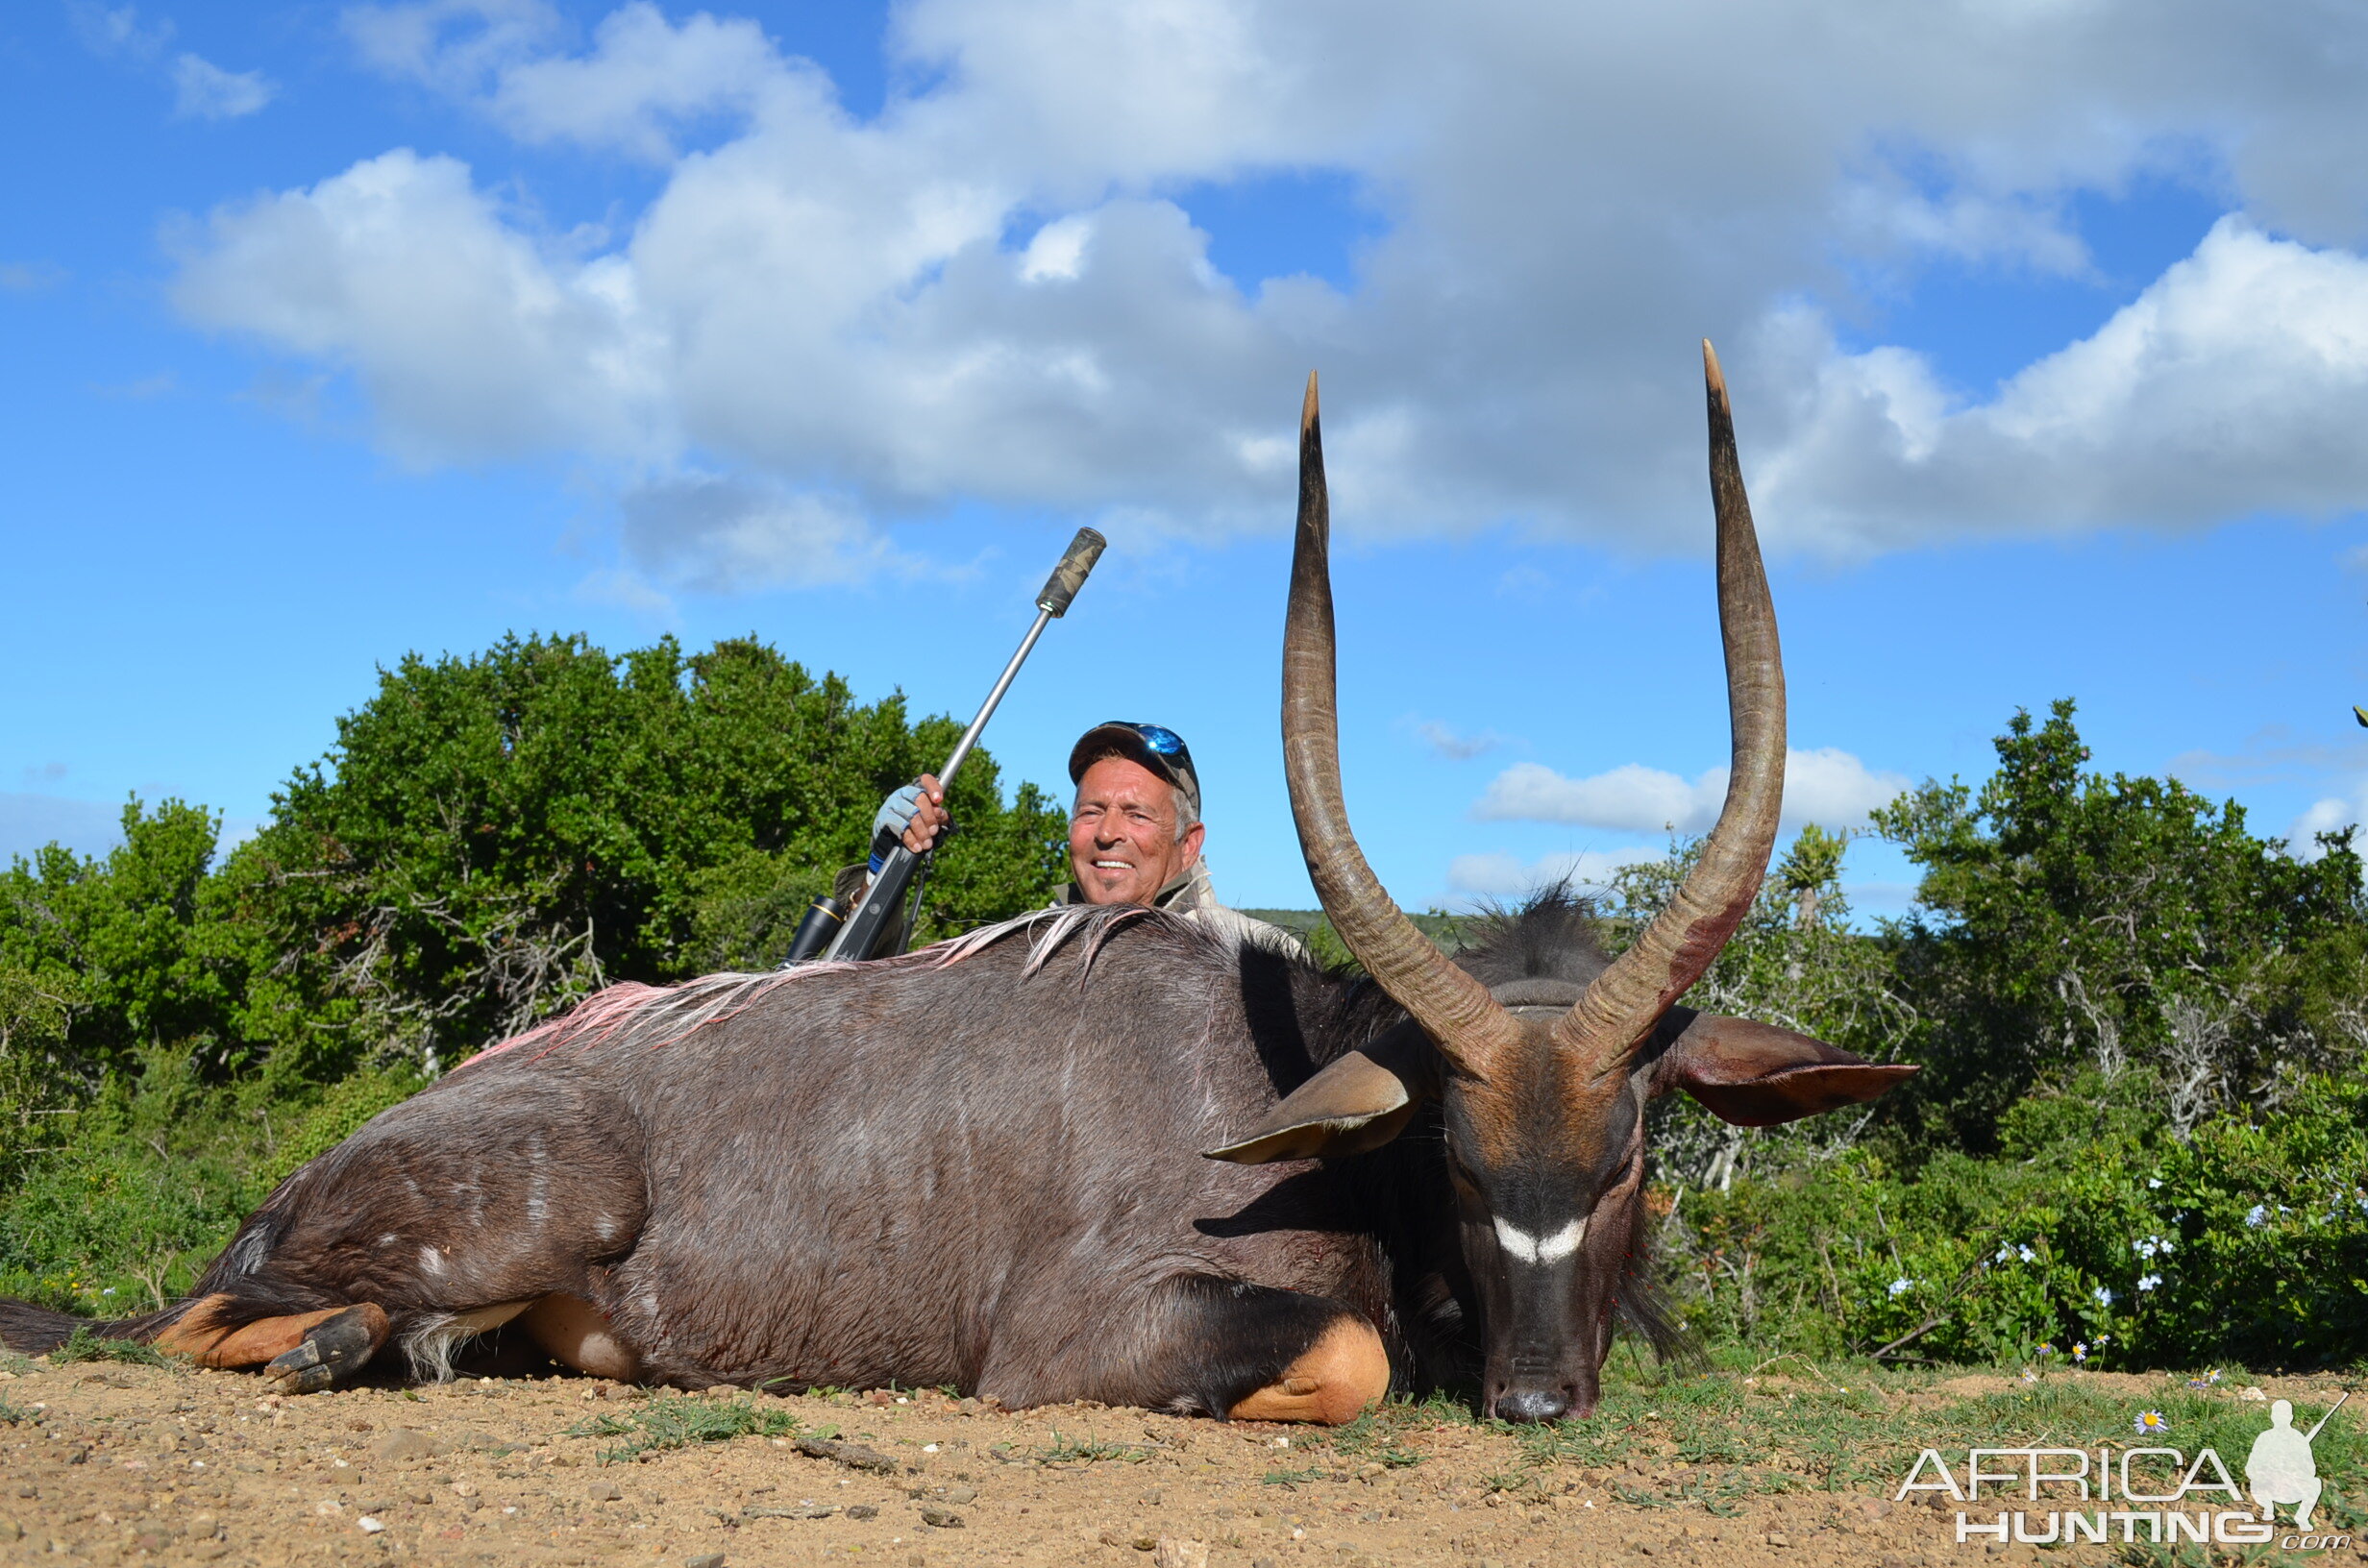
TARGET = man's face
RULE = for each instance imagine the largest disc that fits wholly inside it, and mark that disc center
(1122, 847)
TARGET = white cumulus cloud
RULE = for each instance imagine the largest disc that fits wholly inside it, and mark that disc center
(2236, 382)
(998, 289)
(2327, 814)
(1509, 877)
(724, 534)
(1827, 786)
(472, 338)
(1455, 744)
(118, 29)
(203, 90)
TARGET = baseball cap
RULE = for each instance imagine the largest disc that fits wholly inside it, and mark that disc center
(1154, 747)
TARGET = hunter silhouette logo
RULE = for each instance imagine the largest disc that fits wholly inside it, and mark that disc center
(2279, 1469)
(2149, 1494)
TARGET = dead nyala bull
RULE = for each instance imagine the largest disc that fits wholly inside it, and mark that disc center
(980, 1164)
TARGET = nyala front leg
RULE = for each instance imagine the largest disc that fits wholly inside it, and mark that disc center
(300, 1352)
(1256, 1352)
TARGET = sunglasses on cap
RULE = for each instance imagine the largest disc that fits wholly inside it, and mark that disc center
(1158, 737)
(1162, 748)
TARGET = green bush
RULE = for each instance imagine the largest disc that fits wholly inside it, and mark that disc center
(142, 1187)
(146, 1182)
(491, 837)
(2093, 1228)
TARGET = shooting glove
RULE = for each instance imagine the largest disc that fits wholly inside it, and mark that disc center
(896, 814)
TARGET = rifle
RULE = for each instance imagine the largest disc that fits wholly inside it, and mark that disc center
(2312, 1434)
(828, 931)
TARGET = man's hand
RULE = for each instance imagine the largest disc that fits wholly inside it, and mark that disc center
(915, 813)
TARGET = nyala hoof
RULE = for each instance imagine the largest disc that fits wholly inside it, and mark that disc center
(332, 1352)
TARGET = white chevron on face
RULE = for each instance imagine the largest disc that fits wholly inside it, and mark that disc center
(1531, 1249)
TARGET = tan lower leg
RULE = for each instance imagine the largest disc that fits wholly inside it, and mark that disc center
(1332, 1381)
(195, 1335)
(196, 1330)
(576, 1334)
(486, 1319)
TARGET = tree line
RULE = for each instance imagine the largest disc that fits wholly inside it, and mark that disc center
(2140, 1136)
(2141, 1025)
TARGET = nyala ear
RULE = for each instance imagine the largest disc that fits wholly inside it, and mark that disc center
(1757, 1074)
(1357, 1103)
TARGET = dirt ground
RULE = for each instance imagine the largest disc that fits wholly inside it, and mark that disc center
(130, 1463)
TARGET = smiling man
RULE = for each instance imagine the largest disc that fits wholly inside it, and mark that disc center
(1134, 829)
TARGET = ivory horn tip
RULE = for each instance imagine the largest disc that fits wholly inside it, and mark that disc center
(1307, 404)
(1711, 371)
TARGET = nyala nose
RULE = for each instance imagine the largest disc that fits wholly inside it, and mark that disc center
(1532, 1405)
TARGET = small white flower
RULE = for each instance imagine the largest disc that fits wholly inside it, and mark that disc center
(2004, 1253)
(109, 1291)
(2150, 1282)
(2256, 1214)
(2105, 1297)
(1899, 1288)
(2154, 1181)
(2028, 1255)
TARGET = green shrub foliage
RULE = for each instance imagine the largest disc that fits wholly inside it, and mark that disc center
(2141, 1131)
(495, 838)
(490, 839)
(2140, 1138)
(2068, 917)
(2097, 1232)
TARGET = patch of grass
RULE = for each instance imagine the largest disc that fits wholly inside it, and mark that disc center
(1065, 1450)
(1717, 1495)
(1291, 1480)
(16, 1415)
(1372, 1438)
(671, 1421)
(84, 1346)
(1438, 1408)
(1088, 1449)
(1520, 1479)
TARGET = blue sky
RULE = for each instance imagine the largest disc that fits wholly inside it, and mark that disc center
(331, 332)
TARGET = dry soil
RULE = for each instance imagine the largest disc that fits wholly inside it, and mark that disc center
(127, 1463)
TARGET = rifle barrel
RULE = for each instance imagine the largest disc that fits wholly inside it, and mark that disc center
(986, 711)
(861, 933)
(2313, 1433)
